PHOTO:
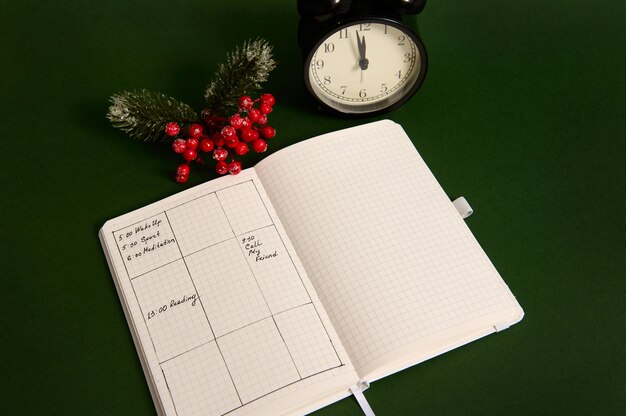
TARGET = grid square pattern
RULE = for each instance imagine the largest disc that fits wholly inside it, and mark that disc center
(230, 294)
(212, 391)
(146, 245)
(174, 328)
(382, 228)
(199, 224)
(212, 291)
(244, 207)
(277, 276)
(263, 369)
(307, 340)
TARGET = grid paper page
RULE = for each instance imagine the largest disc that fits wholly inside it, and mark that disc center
(389, 256)
(199, 224)
(280, 293)
(260, 370)
(222, 277)
(192, 377)
(172, 310)
(296, 326)
(205, 312)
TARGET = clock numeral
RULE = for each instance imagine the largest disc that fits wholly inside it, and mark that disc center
(385, 29)
(343, 89)
(407, 57)
(329, 47)
(364, 27)
(383, 87)
(319, 64)
(327, 80)
(343, 33)
(362, 93)
(398, 74)
(401, 40)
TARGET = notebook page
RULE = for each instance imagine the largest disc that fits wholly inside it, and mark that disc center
(388, 254)
(222, 312)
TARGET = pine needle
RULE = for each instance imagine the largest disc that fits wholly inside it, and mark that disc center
(245, 69)
(143, 114)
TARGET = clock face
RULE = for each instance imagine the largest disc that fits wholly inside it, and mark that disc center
(366, 67)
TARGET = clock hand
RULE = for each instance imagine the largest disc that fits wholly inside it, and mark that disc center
(360, 48)
(363, 61)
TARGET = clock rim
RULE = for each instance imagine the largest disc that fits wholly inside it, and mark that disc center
(419, 80)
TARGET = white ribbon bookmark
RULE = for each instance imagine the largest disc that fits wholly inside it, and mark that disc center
(463, 207)
(357, 391)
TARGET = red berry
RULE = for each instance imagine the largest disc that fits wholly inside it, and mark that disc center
(192, 143)
(246, 123)
(218, 140)
(254, 115)
(259, 145)
(189, 155)
(241, 148)
(220, 154)
(236, 121)
(245, 102)
(265, 108)
(172, 129)
(195, 130)
(179, 146)
(231, 141)
(268, 99)
(206, 144)
(234, 167)
(228, 131)
(249, 135)
(182, 170)
(267, 132)
(182, 178)
(263, 120)
(221, 167)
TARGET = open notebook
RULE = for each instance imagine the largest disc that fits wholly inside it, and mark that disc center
(332, 263)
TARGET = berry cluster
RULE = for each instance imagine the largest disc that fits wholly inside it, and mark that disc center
(224, 138)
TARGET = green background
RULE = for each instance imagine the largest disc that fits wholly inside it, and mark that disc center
(522, 112)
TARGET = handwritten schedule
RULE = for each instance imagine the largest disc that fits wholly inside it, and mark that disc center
(147, 243)
(217, 286)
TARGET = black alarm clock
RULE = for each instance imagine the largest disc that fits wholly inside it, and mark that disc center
(361, 57)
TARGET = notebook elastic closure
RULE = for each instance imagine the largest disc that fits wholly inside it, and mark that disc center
(357, 391)
(463, 207)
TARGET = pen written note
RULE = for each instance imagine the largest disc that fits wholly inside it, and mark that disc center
(216, 285)
(255, 249)
(145, 243)
(143, 239)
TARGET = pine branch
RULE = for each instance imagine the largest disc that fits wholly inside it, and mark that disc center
(143, 114)
(245, 69)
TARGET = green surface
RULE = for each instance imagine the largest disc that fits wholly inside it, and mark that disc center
(522, 111)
